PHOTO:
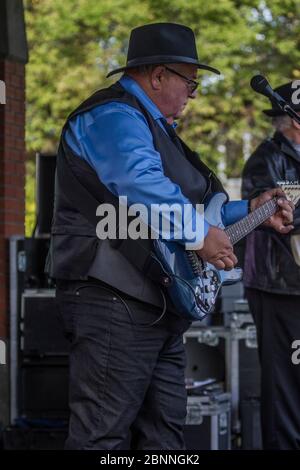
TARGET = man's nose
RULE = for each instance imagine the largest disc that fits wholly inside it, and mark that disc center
(193, 95)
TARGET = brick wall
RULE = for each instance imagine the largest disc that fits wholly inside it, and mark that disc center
(12, 171)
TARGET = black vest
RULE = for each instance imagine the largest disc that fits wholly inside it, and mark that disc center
(75, 251)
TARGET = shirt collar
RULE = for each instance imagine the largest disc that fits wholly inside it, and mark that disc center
(131, 86)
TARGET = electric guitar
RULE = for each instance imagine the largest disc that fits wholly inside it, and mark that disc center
(193, 284)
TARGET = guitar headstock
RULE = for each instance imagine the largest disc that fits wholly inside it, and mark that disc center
(291, 191)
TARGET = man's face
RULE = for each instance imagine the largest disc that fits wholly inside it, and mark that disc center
(176, 90)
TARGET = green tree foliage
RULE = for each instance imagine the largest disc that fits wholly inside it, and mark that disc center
(30, 190)
(73, 43)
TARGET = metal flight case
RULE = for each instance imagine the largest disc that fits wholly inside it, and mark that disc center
(228, 353)
(208, 419)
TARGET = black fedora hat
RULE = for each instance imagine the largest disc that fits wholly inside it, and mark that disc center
(162, 43)
(285, 91)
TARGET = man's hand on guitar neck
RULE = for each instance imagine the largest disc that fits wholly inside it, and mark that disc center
(282, 220)
(218, 250)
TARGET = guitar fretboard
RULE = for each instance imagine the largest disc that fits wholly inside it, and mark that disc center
(244, 226)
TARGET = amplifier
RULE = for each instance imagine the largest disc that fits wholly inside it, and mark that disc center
(43, 389)
(15, 438)
(40, 327)
(42, 372)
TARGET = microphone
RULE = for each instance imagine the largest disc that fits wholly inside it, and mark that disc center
(261, 85)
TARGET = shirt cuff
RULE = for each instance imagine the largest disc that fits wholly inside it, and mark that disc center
(234, 211)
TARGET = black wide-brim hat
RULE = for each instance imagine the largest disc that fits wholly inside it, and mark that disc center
(286, 92)
(162, 43)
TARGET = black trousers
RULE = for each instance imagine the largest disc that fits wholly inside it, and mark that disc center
(277, 319)
(125, 377)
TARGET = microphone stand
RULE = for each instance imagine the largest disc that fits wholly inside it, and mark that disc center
(288, 110)
(261, 85)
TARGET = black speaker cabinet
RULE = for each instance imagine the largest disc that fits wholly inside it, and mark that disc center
(15, 438)
(43, 389)
(41, 331)
(45, 178)
(42, 372)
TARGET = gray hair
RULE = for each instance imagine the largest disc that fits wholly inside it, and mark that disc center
(143, 69)
(282, 123)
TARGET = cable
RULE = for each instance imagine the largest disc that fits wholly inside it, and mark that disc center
(198, 301)
(202, 307)
(144, 325)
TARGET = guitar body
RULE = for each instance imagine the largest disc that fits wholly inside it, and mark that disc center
(195, 284)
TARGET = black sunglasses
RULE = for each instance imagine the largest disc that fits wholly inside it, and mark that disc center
(192, 84)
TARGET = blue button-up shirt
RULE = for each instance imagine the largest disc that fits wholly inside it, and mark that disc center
(115, 139)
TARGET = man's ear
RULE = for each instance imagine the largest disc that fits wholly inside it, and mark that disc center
(156, 77)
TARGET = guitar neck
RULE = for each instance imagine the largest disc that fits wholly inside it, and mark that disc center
(246, 225)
